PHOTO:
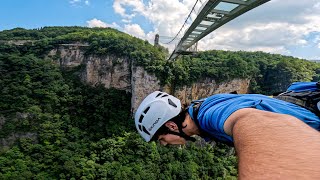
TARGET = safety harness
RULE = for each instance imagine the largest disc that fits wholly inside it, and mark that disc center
(193, 112)
(309, 99)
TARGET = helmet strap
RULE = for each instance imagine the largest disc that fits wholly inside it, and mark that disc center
(183, 135)
(178, 120)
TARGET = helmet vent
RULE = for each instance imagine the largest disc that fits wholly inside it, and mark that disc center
(165, 95)
(172, 103)
(158, 94)
(140, 127)
(141, 118)
(144, 130)
(146, 110)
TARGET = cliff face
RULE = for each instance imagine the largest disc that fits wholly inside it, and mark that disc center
(9, 140)
(143, 84)
(207, 87)
(121, 74)
(109, 71)
(69, 55)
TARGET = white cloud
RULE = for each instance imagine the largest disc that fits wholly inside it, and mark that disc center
(79, 2)
(315, 58)
(74, 1)
(165, 16)
(98, 23)
(268, 28)
(135, 30)
(121, 7)
(272, 27)
(317, 39)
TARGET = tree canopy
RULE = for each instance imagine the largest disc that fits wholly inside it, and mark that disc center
(84, 132)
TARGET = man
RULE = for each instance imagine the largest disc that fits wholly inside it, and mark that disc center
(272, 138)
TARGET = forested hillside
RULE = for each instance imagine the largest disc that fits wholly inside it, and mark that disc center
(68, 130)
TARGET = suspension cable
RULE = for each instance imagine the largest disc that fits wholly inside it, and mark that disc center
(185, 22)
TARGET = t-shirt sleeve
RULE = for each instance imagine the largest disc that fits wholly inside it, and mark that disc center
(216, 110)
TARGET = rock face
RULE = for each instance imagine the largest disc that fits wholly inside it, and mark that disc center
(120, 73)
(69, 55)
(142, 84)
(209, 87)
(109, 71)
(10, 139)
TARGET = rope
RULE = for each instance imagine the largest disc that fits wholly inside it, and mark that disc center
(185, 22)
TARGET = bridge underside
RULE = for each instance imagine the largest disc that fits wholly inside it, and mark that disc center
(212, 15)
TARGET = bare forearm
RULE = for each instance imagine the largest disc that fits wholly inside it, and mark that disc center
(276, 146)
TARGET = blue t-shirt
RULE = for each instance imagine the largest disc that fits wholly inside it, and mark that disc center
(215, 110)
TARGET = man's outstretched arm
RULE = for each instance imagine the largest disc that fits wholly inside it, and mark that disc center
(274, 146)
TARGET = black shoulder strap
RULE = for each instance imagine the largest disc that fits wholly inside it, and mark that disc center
(305, 99)
(196, 106)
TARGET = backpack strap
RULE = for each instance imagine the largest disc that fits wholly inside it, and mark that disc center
(194, 111)
(306, 99)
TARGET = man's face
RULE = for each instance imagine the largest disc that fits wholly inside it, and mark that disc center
(170, 139)
(165, 139)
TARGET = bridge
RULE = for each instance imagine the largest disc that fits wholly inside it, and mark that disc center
(211, 15)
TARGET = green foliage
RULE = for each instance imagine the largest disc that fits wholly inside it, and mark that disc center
(40, 33)
(263, 69)
(269, 73)
(120, 157)
(85, 132)
(102, 41)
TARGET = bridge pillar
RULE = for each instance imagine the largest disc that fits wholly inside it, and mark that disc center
(156, 40)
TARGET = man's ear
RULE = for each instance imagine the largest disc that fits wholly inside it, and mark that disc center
(171, 125)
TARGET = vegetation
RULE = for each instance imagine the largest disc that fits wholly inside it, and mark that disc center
(85, 132)
(263, 69)
(269, 73)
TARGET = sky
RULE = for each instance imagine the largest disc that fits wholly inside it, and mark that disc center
(278, 26)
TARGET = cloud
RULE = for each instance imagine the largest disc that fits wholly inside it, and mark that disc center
(79, 2)
(165, 16)
(98, 23)
(135, 30)
(74, 1)
(272, 27)
(317, 39)
(121, 7)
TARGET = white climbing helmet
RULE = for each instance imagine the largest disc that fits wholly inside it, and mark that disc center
(155, 110)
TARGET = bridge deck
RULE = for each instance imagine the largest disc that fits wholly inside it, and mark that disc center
(212, 15)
